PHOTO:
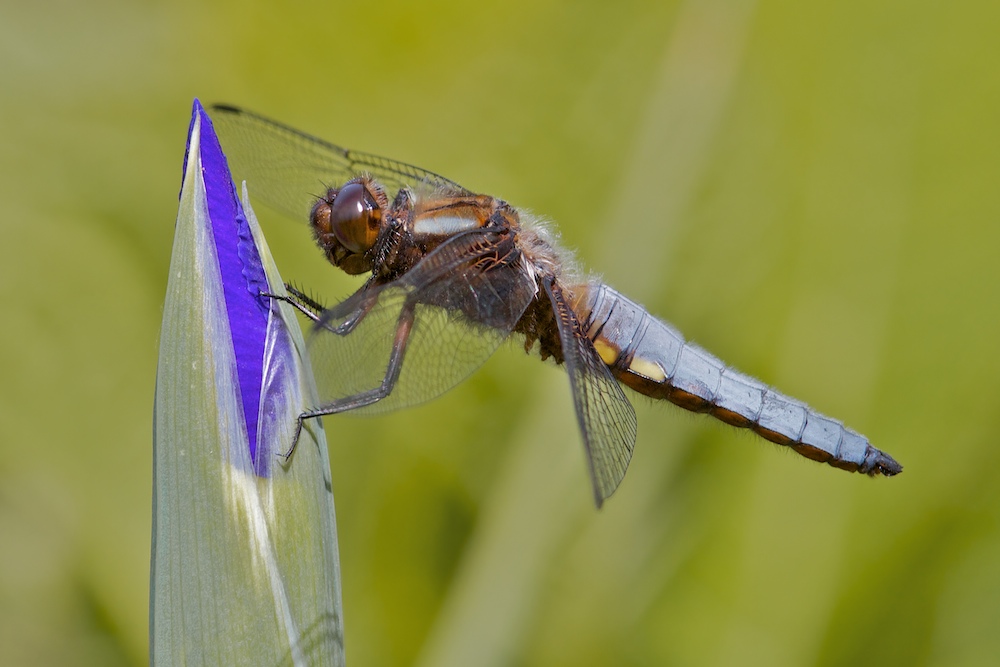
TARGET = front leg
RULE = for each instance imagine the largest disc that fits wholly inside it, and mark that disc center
(351, 311)
(404, 325)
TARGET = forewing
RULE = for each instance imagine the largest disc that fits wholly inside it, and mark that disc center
(289, 169)
(606, 418)
(464, 311)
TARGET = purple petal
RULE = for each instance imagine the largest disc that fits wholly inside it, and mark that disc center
(243, 277)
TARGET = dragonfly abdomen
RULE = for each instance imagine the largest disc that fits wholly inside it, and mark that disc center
(652, 357)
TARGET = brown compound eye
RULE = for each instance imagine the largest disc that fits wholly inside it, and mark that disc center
(355, 218)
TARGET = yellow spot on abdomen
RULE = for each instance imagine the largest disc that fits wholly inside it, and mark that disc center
(648, 369)
(609, 353)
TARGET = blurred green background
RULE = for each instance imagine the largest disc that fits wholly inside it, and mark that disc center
(809, 190)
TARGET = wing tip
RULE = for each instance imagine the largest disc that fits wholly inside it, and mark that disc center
(598, 500)
(226, 108)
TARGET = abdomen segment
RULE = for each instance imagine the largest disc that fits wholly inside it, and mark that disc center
(653, 358)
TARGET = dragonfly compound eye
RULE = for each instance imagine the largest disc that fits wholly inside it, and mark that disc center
(354, 218)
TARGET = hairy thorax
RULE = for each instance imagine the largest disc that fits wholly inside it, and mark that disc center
(544, 258)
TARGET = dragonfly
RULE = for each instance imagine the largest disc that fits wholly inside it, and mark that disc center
(451, 274)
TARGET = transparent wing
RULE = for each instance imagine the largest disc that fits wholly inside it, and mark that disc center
(465, 307)
(607, 420)
(288, 169)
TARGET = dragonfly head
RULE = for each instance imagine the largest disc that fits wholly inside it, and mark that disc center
(346, 223)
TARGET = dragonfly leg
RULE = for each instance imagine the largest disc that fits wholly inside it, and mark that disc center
(355, 312)
(404, 325)
(304, 298)
(304, 307)
(321, 316)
